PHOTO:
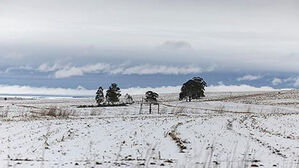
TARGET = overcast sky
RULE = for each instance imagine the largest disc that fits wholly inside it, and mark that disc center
(75, 37)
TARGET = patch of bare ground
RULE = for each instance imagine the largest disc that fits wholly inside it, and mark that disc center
(174, 136)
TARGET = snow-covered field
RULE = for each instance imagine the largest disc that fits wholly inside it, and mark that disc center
(249, 129)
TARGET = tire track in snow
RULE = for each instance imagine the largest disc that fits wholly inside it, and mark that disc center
(262, 143)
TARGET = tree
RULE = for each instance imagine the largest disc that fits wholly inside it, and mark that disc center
(100, 96)
(113, 93)
(151, 97)
(193, 89)
(129, 99)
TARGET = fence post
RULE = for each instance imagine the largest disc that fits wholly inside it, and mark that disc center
(140, 110)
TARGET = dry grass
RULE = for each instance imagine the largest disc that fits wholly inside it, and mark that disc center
(220, 108)
(57, 112)
(4, 112)
(96, 112)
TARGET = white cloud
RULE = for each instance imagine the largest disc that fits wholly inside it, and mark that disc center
(159, 90)
(249, 78)
(290, 80)
(80, 91)
(49, 68)
(296, 84)
(175, 45)
(68, 70)
(161, 69)
(212, 88)
(237, 88)
(27, 90)
(26, 67)
(276, 81)
(99, 67)
(47, 30)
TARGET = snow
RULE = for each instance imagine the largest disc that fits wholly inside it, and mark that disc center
(240, 129)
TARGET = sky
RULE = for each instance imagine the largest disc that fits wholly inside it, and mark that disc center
(74, 44)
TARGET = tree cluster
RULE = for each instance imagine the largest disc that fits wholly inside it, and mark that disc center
(192, 89)
(112, 96)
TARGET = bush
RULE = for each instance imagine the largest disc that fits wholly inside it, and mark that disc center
(129, 99)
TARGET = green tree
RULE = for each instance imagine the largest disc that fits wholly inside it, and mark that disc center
(113, 93)
(100, 96)
(151, 97)
(193, 89)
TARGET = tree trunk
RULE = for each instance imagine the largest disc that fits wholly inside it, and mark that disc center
(150, 108)
(189, 98)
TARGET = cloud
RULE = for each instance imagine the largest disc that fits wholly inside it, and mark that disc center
(293, 80)
(145, 69)
(177, 45)
(80, 91)
(27, 90)
(40, 32)
(276, 81)
(237, 88)
(161, 69)
(10, 69)
(47, 68)
(296, 84)
(212, 88)
(70, 71)
(249, 78)
(159, 90)
(290, 80)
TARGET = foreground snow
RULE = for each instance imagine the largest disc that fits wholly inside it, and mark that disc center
(222, 130)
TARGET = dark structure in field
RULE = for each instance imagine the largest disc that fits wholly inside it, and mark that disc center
(150, 99)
